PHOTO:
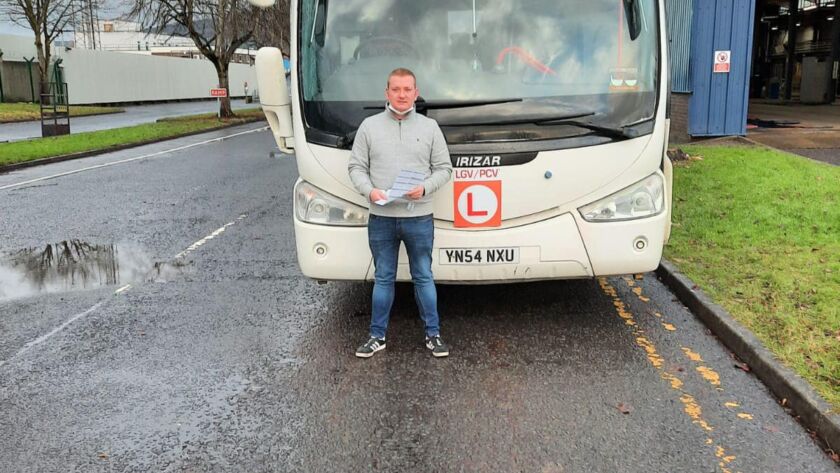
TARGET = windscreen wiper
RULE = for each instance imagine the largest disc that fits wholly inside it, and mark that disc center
(422, 105)
(622, 132)
(345, 141)
(523, 119)
(618, 132)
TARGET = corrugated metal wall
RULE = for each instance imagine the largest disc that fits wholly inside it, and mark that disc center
(678, 13)
(718, 105)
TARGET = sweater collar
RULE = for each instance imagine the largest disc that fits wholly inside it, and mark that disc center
(407, 117)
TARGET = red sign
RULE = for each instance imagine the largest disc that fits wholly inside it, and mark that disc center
(478, 203)
(723, 61)
(218, 92)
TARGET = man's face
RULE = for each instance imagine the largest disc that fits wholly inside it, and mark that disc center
(401, 92)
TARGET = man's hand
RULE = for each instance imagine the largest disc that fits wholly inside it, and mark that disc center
(416, 193)
(377, 194)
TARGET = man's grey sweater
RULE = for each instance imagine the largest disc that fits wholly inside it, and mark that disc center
(385, 146)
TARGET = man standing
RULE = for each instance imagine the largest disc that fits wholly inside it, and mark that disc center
(396, 140)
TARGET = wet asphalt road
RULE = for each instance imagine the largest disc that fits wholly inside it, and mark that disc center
(227, 359)
(133, 115)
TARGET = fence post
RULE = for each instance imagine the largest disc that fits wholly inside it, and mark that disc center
(29, 67)
(2, 97)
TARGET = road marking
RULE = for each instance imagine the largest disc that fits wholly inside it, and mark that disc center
(209, 237)
(692, 355)
(54, 331)
(61, 327)
(690, 405)
(709, 375)
(638, 292)
(137, 158)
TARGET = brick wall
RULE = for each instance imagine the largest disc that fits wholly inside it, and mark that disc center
(679, 118)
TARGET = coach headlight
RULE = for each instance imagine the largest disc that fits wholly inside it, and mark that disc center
(313, 205)
(645, 198)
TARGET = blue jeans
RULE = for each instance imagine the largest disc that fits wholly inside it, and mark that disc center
(384, 237)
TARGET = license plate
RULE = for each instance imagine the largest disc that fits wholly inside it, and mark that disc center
(509, 255)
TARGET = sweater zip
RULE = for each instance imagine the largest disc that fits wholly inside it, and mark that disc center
(400, 123)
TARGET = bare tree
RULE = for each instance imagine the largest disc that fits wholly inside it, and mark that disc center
(217, 27)
(47, 19)
(272, 26)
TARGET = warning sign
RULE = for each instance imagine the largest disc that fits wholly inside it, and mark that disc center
(478, 203)
(722, 61)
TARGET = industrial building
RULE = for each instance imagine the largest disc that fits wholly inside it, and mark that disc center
(727, 53)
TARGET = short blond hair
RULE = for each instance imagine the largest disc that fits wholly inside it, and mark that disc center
(401, 72)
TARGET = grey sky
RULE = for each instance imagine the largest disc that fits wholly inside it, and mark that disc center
(108, 9)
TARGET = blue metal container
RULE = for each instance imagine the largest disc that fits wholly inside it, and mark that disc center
(678, 14)
(718, 106)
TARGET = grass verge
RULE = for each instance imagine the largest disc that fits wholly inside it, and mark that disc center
(29, 150)
(18, 112)
(759, 231)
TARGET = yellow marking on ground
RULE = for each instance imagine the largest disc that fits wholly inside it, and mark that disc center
(669, 327)
(654, 357)
(731, 404)
(638, 292)
(607, 287)
(676, 383)
(632, 283)
(746, 416)
(694, 411)
(691, 355)
(709, 375)
(690, 405)
(724, 458)
(657, 314)
(622, 312)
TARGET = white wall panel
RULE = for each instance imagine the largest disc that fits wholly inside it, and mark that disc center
(106, 77)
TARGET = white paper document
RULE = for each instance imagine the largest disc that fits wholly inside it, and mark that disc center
(406, 180)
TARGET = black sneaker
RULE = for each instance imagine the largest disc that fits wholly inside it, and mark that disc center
(439, 349)
(370, 347)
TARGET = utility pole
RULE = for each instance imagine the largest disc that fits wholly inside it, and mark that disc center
(793, 9)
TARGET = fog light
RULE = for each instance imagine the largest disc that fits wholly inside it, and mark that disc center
(640, 243)
(320, 250)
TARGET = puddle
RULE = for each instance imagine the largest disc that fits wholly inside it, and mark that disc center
(74, 265)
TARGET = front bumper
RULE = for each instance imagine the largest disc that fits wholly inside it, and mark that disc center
(562, 247)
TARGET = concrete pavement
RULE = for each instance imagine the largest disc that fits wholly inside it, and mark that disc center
(222, 357)
(816, 135)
